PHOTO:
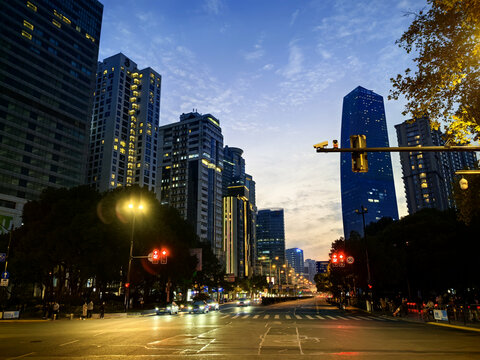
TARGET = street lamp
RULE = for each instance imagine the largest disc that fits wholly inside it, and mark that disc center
(133, 208)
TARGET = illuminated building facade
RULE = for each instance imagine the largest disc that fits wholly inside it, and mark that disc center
(124, 128)
(295, 259)
(364, 114)
(49, 53)
(428, 176)
(190, 174)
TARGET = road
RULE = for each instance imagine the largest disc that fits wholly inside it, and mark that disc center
(300, 329)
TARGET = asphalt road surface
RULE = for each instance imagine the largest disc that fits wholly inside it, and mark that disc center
(307, 328)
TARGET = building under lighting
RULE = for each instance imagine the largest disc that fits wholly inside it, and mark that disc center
(47, 72)
(270, 238)
(124, 130)
(190, 174)
(364, 114)
(294, 258)
(428, 176)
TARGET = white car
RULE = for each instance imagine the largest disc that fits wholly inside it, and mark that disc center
(171, 308)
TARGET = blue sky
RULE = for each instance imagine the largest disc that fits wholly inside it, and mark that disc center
(274, 73)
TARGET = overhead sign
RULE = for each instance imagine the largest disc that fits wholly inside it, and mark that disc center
(350, 260)
(5, 275)
(3, 257)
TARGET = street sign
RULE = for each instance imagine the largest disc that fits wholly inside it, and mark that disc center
(3, 257)
(5, 275)
(3, 282)
(350, 260)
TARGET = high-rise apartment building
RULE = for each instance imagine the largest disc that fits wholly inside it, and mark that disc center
(190, 173)
(294, 258)
(124, 129)
(271, 237)
(364, 114)
(49, 52)
(428, 176)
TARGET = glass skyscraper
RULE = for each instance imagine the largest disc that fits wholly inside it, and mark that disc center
(364, 114)
(295, 259)
(48, 60)
(271, 236)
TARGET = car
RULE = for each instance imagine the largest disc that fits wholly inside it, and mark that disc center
(212, 305)
(199, 306)
(171, 308)
(243, 302)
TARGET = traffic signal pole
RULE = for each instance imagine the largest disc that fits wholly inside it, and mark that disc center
(399, 149)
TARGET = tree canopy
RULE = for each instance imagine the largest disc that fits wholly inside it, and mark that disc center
(445, 38)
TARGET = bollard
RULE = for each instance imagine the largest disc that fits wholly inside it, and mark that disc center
(71, 316)
(54, 316)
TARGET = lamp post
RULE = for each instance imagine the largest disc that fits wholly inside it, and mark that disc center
(134, 210)
(363, 210)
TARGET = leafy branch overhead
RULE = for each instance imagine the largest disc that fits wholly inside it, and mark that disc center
(445, 39)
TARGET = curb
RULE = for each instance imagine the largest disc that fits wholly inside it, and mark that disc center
(465, 328)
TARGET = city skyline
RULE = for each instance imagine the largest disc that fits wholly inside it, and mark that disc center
(274, 74)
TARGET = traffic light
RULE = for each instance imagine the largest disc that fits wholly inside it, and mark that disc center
(359, 159)
(155, 256)
(334, 258)
(127, 285)
(163, 257)
(341, 258)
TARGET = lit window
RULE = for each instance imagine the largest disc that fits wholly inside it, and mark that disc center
(89, 37)
(424, 185)
(115, 147)
(113, 176)
(122, 151)
(31, 6)
(56, 23)
(112, 183)
(27, 35)
(27, 24)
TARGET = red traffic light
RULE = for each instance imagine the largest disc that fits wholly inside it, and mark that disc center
(127, 285)
(155, 255)
(164, 252)
(163, 259)
(334, 258)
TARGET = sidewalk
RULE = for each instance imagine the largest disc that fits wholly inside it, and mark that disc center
(412, 317)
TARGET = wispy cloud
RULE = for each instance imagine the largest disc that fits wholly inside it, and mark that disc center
(213, 6)
(294, 17)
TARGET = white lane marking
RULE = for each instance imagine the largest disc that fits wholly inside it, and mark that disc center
(203, 348)
(266, 316)
(236, 316)
(288, 317)
(100, 333)
(225, 316)
(299, 343)
(341, 317)
(298, 316)
(263, 339)
(246, 316)
(256, 316)
(320, 317)
(277, 316)
(68, 343)
(309, 317)
(331, 317)
(365, 318)
(21, 356)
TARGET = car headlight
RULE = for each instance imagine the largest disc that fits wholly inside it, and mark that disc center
(190, 307)
(156, 309)
(168, 307)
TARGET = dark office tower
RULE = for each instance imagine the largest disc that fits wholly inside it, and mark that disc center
(271, 237)
(294, 258)
(364, 114)
(428, 176)
(49, 52)
(124, 130)
(233, 167)
(190, 173)
(250, 184)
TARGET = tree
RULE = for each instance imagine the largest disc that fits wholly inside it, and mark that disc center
(446, 84)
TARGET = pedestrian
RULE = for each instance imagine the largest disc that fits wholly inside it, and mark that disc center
(102, 310)
(55, 308)
(84, 310)
(90, 309)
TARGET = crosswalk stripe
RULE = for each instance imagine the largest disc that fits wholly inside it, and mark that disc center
(266, 316)
(331, 317)
(309, 317)
(225, 316)
(353, 318)
(246, 316)
(277, 316)
(365, 318)
(380, 319)
(320, 317)
(256, 316)
(288, 317)
(236, 316)
(341, 317)
(298, 316)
